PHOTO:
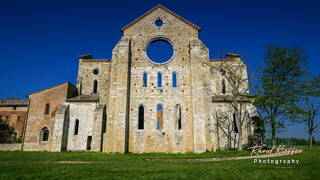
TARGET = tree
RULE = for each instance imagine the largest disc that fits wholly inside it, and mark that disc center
(7, 133)
(259, 131)
(225, 123)
(309, 114)
(280, 79)
(234, 71)
(309, 108)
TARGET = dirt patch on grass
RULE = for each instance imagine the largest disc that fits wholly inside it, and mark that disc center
(174, 160)
(75, 162)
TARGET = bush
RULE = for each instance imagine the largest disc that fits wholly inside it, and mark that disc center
(7, 134)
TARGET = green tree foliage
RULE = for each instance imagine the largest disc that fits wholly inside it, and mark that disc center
(7, 134)
(259, 131)
(280, 88)
(311, 87)
(309, 108)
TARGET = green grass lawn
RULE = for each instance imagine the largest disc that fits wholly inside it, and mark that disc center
(42, 165)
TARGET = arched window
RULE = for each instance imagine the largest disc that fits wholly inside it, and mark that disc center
(159, 116)
(159, 79)
(174, 79)
(223, 83)
(141, 117)
(178, 117)
(95, 87)
(47, 109)
(76, 127)
(235, 123)
(145, 79)
(44, 134)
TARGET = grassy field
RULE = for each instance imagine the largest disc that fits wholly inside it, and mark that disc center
(84, 165)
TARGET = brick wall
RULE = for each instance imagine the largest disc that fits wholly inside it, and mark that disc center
(37, 119)
(14, 117)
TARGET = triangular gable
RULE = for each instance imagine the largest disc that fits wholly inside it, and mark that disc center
(52, 88)
(167, 10)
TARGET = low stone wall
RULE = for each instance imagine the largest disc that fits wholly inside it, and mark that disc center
(10, 147)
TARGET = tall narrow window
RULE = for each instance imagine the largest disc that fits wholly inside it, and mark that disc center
(223, 86)
(95, 87)
(44, 134)
(145, 79)
(104, 123)
(89, 140)
(178, 117)
(76, 127)
(159, 116)
(174, 79)
(159, 79)
(47, 109)
(141, 117)
(80, 89)
(18, 119)
(235, 123)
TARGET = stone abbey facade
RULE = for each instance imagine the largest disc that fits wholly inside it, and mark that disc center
(132, 103)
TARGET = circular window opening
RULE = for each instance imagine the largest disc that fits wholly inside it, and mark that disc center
(159, 23)
(160, 51)
(96, 71)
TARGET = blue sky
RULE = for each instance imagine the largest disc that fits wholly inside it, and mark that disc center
(40, 40)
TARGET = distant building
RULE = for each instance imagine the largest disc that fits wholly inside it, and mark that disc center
(13, 111)
(134, 103)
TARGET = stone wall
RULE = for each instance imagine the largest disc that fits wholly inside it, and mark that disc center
(118, 104)
(131, 50)
(201, 93)
(226, 128)
(61, 129)
(91, 70)
(85, 113)
(10, 147)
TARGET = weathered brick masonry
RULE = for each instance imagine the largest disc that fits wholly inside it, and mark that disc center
(13, 111)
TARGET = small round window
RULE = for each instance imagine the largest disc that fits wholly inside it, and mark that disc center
(158, 23)
(96, 71)
(160, 51)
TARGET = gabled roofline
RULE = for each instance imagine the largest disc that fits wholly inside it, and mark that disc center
(52, 87)
(167, 10)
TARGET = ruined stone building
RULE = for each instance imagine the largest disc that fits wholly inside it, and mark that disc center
(133, 103)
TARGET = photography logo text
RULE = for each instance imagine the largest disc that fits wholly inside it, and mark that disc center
(274, 152)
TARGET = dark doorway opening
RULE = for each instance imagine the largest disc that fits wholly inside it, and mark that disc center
(89, 140)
